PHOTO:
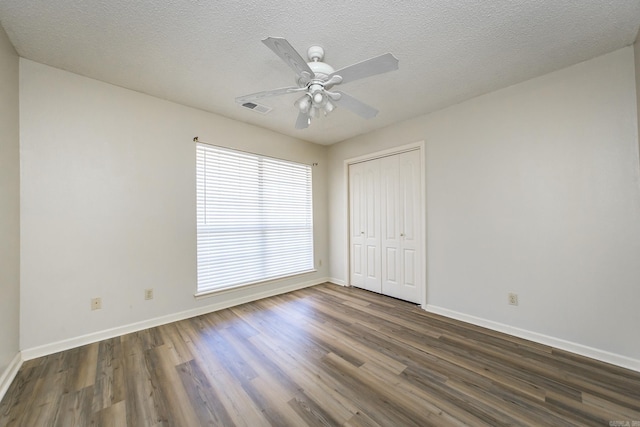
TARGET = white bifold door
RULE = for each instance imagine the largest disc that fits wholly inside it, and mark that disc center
(385, 225)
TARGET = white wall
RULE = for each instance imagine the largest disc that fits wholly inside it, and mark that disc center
(636, 54)
(533, 189)
(108, 205)
(9, 206)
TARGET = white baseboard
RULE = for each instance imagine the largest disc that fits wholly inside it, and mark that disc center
(70, 343)
(9, 374)
(337, 281)
(583, 350)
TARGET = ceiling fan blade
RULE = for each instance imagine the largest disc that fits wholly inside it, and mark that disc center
(303, 121)
(370, 67)
(334, 80)
(288, 54)
(275, 92)
(353, 105)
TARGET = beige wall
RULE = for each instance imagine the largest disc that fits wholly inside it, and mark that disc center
(9, 205)
(108, 192)
(533, 189)
(636, 51)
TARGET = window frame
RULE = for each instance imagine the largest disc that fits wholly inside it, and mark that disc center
(308, 235)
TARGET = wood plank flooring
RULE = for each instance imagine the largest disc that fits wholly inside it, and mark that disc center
(322, 356)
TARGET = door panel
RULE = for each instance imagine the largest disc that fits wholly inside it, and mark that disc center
(385, 231)
(401, 228)
(391, 261)
(356, 229)
(409, 268)
(410, 180)
(372, 184)
(357, 260)
(411, 231)
(364, 207)
(372, 264)
(391, 243)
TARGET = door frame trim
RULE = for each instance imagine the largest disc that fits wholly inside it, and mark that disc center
(420, 146)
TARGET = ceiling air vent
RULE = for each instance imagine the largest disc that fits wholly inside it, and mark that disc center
(262, 109)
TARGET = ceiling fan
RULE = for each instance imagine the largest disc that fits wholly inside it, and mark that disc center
(315, 79)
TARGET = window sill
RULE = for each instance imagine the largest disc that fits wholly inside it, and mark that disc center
(214, 292)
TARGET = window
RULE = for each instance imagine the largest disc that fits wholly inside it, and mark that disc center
(254, 218)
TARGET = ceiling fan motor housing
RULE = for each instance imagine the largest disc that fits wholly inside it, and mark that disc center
(321, 70)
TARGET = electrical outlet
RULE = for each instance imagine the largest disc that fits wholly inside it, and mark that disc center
(319, 263)
(513, 298)
(148, 293)
(96, 303)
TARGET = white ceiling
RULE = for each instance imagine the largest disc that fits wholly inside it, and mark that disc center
(204, 54)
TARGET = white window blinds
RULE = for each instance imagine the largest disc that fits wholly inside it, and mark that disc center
(254, 218)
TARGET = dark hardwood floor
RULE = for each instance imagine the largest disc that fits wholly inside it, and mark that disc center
(321, 356)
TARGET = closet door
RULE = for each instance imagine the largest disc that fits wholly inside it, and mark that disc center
(364, 208)
(391, 226)
(411, 231)
(400, 198)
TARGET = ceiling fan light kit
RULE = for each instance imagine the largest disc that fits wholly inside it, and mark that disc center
(315, 78)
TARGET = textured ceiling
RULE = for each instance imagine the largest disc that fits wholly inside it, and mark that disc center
(206, 53)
